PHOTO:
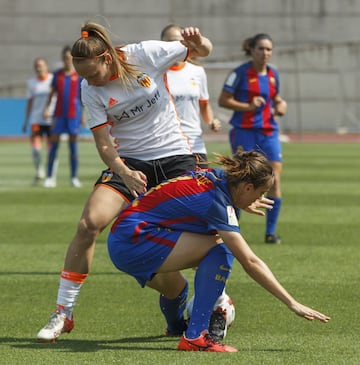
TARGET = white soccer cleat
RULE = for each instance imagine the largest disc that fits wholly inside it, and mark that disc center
(222, 316)
(75, 182)
(50, 182)
(57, 325)
(217, 324)
(41, 172)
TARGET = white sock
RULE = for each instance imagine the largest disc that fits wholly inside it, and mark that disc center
(67, 296)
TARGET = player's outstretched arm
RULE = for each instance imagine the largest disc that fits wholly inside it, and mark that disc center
(308, 313)
(261, 273)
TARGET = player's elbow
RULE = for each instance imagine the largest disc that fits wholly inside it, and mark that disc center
(251, 265)
(221, 102)
(223, 99)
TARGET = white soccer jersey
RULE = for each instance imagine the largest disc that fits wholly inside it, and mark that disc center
(142, 118)
(38, 90)
(188, 86)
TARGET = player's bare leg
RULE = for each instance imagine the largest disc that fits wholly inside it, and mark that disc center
(100, 210)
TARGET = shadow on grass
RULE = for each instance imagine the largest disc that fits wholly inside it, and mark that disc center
(55, 273)
(130, 343)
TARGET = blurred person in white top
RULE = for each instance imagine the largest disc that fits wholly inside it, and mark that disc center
(38, 90)
(187, 83)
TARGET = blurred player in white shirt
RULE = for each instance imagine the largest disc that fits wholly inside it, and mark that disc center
(38, 90)
(188, 85)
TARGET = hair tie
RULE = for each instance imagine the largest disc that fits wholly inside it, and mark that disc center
(84, 34)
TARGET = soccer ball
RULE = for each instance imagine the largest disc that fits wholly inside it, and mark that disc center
(223, 304)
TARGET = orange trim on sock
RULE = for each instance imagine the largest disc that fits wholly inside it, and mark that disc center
(75, 277)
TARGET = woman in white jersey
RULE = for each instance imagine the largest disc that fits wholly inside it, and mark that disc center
(138, 136)
(188, 86)
(38, 90)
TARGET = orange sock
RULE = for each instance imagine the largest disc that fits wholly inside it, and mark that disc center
(76, 277)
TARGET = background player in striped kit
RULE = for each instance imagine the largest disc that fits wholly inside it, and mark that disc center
(252, 92)
(68, 117)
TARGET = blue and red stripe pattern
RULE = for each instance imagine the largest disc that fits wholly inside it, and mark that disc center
(245, 83)
(195, 202)
(68, 103)
(148, 229)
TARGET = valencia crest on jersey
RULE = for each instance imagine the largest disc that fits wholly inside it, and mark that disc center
(106, 176)
(144, 80)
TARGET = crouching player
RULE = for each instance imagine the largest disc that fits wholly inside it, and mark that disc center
(176, 226)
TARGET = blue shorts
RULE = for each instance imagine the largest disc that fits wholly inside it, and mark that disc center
(252, 139)
(141, 258)
(66, 125)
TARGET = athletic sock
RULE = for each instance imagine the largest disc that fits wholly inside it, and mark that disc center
(73, 159)
(52, 157)
(69, 290)
(210, 279)
(173, 310)
(36, 156)
(272, 216)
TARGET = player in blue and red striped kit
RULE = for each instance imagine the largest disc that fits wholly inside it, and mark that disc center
(251, 91)
(68, 117)
(177, 225)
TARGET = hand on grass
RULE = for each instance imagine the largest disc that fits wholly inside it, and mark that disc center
(308, 313)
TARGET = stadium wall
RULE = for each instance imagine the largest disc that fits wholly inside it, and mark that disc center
(317, 49)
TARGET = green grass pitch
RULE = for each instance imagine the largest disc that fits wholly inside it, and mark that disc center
(117, 322)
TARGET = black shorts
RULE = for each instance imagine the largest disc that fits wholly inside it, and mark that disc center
(201, 160)
(156, 171)
(40, 130)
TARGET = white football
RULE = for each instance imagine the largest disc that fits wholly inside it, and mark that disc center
(224, 304)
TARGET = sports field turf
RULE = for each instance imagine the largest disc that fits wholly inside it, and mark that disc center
(117, 322)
